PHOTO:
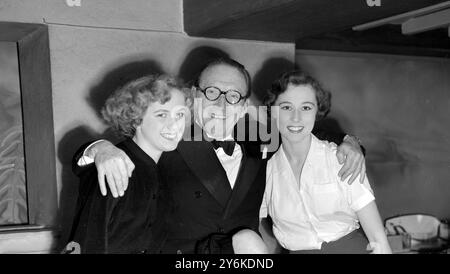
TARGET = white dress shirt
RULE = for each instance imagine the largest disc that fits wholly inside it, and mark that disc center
(319, 209)
(230, 164)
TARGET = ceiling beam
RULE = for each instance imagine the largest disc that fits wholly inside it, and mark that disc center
(386, 39)
(202, 15)
(400, 18)
(286, 20)
(427, 22)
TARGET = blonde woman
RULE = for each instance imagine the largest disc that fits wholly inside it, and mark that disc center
(150, 113)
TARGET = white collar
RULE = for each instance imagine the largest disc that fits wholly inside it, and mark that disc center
(228, 138)
(281, 158)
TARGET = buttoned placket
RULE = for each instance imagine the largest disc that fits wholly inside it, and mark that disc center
(299, 189)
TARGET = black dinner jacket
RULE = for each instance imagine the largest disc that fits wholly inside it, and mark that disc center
(202, 199)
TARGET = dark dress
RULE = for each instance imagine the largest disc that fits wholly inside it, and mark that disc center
(133, 223)
(206, 211)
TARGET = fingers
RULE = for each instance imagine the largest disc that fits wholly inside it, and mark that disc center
(345, 169)
(112, 184)
(341, 157)
(355, 169)
(342, 170)
(116, 166)
(370, 250)
(362, 172)
(353, 161)
(354, 174)
(129, 168)
(123, 173)
(350, 168)
(117, 176)
(101, 181)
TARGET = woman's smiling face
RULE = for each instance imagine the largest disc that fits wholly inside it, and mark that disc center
(163, 124)
(295, 112)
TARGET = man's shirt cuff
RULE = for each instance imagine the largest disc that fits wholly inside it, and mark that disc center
(85, 159)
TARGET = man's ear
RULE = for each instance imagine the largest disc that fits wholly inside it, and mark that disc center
(244, 109)
(197, 111)
(195, 92)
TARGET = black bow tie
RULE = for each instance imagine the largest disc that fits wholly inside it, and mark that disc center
(228, 146)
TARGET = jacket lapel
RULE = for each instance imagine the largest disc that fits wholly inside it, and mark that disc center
(203, 162)
(246, 175)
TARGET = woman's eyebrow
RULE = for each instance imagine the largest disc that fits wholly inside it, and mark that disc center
(160, 110)
(304, 102)
(284, 102)
(308, 102)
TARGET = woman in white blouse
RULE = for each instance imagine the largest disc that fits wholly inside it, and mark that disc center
(311, 209)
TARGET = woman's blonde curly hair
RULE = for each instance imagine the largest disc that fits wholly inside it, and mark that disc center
(126, 107)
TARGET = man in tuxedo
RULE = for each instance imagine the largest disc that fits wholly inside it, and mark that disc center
(215, 181)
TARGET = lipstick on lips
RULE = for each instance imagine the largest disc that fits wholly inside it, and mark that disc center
(169, 136)
(295, 129)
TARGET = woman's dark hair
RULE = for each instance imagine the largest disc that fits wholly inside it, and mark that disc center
(299, 78)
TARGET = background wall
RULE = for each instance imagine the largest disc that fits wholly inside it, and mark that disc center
(400, 108)
(101, 44)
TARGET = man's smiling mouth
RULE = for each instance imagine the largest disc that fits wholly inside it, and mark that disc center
(218, 116)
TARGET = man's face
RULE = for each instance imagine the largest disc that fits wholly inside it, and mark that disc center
(219, 117)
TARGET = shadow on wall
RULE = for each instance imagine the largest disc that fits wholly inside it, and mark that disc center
(196, 60)
(119, 77)
(78, 136)
(328, 124)
(67, 147)
(269, 72)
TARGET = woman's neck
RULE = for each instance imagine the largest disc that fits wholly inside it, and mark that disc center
(296, 152)
(148, 148)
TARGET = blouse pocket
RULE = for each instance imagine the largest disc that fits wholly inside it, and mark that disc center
(325, 198)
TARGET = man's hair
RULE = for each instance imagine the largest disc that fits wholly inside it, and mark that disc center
(232, 63)
(126, 107)
(299, 78)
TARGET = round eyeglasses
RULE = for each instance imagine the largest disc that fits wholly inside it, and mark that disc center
(213, 93)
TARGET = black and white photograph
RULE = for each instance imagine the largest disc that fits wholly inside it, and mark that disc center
(251, 130)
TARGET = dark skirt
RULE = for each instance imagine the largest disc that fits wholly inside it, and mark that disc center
(353, 243)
